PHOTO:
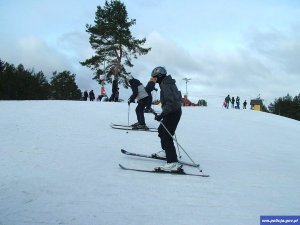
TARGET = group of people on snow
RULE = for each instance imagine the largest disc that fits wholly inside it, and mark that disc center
(235, 102)
(89, 95)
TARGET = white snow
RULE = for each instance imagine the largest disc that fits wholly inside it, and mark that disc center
(59, 165)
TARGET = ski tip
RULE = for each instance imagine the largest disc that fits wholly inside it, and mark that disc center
(123, 151)
(121, 166)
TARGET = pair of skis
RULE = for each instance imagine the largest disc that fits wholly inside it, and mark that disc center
(179, 172)
(128, 127)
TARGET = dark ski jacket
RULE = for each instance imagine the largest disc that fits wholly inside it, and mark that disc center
(92, 95)
(138, 90)
(150, 87)
(170, 97)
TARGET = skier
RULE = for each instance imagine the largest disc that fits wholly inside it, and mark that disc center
(114, 90)
(102, 93)
(149, 88)
(139, 93)
(85, 95)
(227, 100)
(245, 104)
(91, 95)
(238, 102)
(170, 99)
(232, 102)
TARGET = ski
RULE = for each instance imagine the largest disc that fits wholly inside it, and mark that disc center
(124, 127)
(180, 172)
(156, 157)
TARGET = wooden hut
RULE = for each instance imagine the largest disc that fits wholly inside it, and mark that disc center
(256, 104)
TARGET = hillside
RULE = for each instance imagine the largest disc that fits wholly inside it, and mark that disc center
(59, 165)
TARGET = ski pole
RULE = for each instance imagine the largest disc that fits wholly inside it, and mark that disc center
(177, 147)
(180, 146)
(128, 117)
(155, 99)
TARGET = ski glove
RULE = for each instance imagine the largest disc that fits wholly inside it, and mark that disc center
(159, 117)
(130, 100)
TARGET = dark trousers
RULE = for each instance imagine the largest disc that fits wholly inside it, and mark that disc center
(140, 110)
(149, 103)
(170, 121)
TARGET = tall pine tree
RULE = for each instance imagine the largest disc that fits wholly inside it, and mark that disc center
(112, 41)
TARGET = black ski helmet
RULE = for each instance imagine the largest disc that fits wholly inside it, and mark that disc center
(159, 72)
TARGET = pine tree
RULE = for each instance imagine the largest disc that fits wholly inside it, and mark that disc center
(286, 106)
(112, 41)
(64, 87)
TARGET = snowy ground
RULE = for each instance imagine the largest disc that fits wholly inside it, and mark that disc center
(59, 165)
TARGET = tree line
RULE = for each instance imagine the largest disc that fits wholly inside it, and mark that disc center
(286, 106)
(18, 83)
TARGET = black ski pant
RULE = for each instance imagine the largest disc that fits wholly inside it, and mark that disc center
(149, 103)
(170, 121)
(140, 110)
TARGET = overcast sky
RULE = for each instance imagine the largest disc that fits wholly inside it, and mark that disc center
(243, 48)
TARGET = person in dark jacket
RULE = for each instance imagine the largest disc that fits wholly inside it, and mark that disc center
(115, 93)
(139, 93)
(149, 88)
(232, 102)
(238, 102)
(170, 99)
(91, 95)
(245, 104)
(85, 95)
(227, 100)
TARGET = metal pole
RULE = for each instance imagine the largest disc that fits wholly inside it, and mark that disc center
(186, 81)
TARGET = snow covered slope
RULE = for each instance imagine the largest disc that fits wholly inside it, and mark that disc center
(59, 165)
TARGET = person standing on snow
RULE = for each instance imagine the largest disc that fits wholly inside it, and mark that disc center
(91, 95)
(238, 102)
(149, 88)
(85, 95)
(227, 100)
(245, 104)
(232, 102)
(139, 93)
(114, 91)
(170, 99)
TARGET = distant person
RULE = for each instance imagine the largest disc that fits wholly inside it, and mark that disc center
(85, 95)
(245, 104)
(232, 102)
(227, 100)
(149, 88)
(238, 102)
(114, 90)
(91, 95)
(139, 93)
(102, 93)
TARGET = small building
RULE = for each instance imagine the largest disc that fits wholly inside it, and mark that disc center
(256, 104)
(185, 101)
